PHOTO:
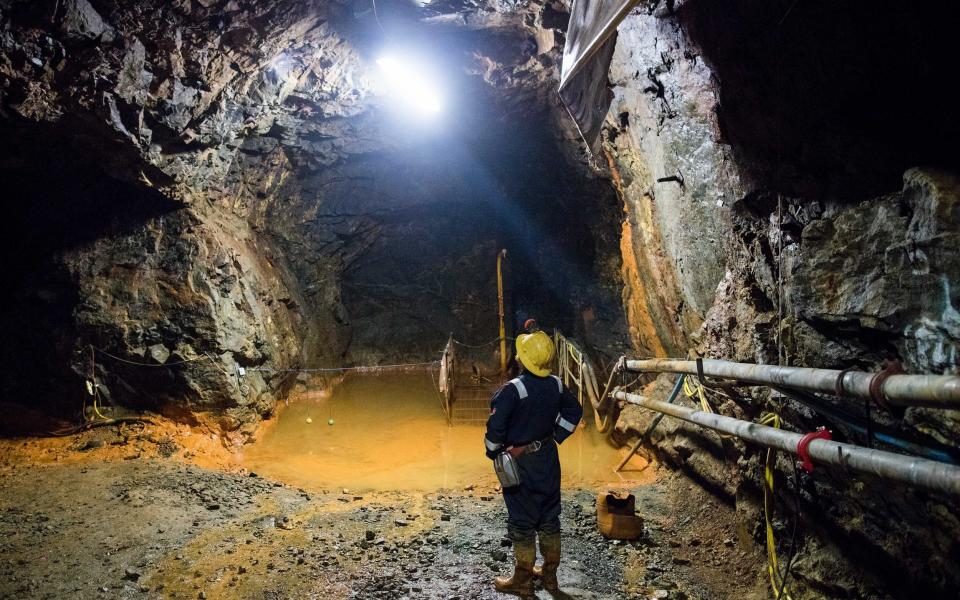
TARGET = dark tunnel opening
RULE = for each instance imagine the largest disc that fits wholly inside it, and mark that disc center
(416, 226)
(832, 100)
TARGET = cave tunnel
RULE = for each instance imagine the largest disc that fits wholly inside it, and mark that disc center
(270, 270)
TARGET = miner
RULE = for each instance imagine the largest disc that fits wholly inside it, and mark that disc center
(529, 416)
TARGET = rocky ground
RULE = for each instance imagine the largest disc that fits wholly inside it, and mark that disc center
(162, 527)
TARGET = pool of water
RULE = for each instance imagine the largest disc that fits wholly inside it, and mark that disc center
(389, 432)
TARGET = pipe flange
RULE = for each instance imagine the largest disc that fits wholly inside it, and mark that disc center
(890, 367)
(838, 385)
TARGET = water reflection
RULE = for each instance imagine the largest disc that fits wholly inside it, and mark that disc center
(389, 433)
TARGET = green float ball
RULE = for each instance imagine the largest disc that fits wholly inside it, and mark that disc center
(330, 421)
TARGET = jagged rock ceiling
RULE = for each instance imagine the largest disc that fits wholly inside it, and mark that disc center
(185, 84)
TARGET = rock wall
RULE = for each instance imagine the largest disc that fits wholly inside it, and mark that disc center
(127, 117)
(753, 235)
(97, 262)
(677, 181)
(184, 288)
(884, 268)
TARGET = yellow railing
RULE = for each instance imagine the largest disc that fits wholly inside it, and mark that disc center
(575, 367)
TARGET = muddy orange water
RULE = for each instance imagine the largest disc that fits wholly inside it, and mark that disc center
(389, 432)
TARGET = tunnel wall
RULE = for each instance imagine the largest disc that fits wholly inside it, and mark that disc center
(727, 119)
(109, 280)
(127, 119)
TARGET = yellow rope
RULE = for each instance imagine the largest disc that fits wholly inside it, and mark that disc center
(693, 389)
(773, 566)
(96, 406)
(95, 389)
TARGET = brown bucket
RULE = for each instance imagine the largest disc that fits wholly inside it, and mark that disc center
(616, 516)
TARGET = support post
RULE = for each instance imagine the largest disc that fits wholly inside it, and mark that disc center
(503, 335)
(653, 425)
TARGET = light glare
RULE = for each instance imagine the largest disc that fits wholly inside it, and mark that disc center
(409, 85)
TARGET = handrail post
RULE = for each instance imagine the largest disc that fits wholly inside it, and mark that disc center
(503, 335)
(447, 369)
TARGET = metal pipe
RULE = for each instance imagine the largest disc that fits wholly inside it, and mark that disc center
(887, 465)
(936, 391)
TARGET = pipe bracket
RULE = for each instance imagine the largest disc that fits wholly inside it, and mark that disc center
(803, 451)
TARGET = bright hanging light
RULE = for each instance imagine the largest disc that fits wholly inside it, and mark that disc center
(409, 84)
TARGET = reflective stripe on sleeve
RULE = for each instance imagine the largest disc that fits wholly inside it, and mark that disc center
(521, 389)
(565, 424)
(490, 445)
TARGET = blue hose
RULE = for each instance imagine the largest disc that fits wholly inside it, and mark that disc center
(656, 420)
(942, 454)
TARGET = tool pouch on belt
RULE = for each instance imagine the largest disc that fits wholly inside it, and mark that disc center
(505, 466)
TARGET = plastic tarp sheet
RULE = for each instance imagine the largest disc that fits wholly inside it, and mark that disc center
(591, 38)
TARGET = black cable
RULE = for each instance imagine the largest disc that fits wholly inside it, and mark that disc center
(140, 364)
(778, 591)
(483, 345)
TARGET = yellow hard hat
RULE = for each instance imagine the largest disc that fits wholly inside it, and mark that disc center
(535, 351)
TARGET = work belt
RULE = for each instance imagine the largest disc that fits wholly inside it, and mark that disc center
(535, 446)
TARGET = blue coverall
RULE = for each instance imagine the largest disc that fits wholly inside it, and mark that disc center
(525, 410)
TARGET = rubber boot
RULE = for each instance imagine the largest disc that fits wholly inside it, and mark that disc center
(550, 549)
(521, 582)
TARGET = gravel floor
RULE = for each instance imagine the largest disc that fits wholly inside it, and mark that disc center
(155, 528)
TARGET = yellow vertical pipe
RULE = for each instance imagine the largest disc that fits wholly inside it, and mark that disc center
(503, 335)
